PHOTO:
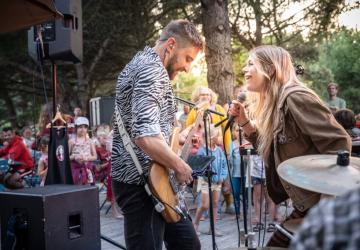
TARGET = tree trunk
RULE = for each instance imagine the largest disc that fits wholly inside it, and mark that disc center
(216, 28)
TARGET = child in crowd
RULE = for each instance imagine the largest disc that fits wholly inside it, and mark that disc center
(235, 160)
(43, 162)
(82, 153)
(102, 172)
(219, 168)
(28, 139)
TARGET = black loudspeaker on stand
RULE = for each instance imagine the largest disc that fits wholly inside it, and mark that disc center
(62, 38)
(54, 217)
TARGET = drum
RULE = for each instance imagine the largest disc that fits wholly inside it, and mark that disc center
(293, 225)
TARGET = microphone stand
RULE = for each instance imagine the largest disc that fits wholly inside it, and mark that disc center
(194, 105)
(221, 122)
(251, 234)
(185, 101)
(209, 174)
(243, 193)
(248, 235)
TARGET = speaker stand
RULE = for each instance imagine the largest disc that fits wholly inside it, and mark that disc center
(54, 87)
(112, 242)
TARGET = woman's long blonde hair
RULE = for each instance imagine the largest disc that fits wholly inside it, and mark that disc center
(276, 65)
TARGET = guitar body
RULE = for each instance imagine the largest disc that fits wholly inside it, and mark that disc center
(161, 187)
(161, 181)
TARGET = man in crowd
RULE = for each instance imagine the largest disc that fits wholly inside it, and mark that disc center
(183, 116)
(18, 153)
(16, 150)
(77, 112)
(333, 101)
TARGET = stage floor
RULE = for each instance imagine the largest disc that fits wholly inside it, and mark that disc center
(113, 228)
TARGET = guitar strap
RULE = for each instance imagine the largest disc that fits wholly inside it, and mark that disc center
(129, 146)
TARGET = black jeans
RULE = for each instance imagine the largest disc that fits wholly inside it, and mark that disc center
(145, 229)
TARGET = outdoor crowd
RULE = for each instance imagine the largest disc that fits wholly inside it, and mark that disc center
(27, 153)
(90, 153)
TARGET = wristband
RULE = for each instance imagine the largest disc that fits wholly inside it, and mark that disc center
(242, 125)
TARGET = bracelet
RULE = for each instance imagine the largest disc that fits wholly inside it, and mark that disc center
(242, 125)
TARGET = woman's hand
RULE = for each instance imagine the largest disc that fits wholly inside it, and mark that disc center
(237, 110)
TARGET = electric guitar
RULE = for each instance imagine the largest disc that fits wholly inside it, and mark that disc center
(162, 180)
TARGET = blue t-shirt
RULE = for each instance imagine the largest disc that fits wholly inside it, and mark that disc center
(218, 166)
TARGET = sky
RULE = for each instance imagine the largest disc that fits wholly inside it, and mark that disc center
(350, 19)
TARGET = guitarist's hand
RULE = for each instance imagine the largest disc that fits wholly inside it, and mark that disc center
(160, 152)
(183, 173)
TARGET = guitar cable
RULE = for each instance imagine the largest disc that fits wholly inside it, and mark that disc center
(158, 203)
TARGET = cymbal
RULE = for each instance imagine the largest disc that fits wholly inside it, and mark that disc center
(325, 174)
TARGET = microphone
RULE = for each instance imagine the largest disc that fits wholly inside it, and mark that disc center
(241, 98)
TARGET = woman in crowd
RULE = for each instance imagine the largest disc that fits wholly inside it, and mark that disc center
(286, 119)
(205, 97)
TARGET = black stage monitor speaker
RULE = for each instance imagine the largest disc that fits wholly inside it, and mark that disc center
(62, 38)
(54, 217)
(101, 110)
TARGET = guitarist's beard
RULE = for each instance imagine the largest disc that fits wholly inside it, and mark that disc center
(171, 67)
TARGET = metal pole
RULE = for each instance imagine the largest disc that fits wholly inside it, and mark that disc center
(209, 174)
(249, 187)
(112, 242)
(54, 87)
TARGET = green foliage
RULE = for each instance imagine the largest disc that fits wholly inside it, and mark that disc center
(114, 30)
(341, 55)
(351, 95)
(338, 61)
(317, 77)
(240, 55)
(184, 84)
(300, 49)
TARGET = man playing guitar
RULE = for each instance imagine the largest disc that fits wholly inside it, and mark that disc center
(145, 102)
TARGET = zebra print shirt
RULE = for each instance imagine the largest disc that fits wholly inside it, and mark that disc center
(145, 99)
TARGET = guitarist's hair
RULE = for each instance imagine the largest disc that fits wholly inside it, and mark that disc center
(184, 32)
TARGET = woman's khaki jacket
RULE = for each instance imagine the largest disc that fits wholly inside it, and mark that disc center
(306, 126)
